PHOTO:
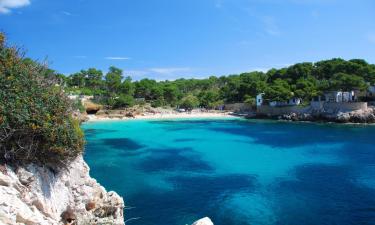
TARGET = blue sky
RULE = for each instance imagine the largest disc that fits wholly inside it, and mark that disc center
(166, 39)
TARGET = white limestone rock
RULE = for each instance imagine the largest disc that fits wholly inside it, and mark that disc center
(204, 221)
(38, 195)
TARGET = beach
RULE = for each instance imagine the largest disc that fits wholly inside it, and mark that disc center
(163, 115)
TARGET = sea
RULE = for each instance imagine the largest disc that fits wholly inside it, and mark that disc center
(236, 171)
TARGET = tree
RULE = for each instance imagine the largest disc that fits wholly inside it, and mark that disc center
(157, 93)
(209, 99)
(171, 93)
(303, 80)
(123, 101)
(143, 88)
(306, 88)
(279, 91)
(77, 79)
(347, 82)
(94, 78)
(299, 70)
(189, 102)
(127, 87)
(113, 79)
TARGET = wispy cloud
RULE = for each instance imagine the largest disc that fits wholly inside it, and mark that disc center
(7, 5)
(116, 58)
(66, 13)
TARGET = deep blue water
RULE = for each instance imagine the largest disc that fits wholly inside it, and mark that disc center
(236, 172)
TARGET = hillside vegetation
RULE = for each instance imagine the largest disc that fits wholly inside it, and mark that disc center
(303, 80)
(35, 116)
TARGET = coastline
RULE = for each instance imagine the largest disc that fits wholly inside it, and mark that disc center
(158, 116)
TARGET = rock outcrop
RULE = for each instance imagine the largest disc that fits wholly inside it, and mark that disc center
(35, 195)
(204, 221)
(357, 116)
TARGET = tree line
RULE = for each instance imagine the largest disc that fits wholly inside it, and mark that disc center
(303, 80)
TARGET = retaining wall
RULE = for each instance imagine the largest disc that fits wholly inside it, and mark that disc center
(329, 107)
(339, 106)
(276, 111)
(238, 107)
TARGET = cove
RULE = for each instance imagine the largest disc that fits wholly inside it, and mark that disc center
(236, 172)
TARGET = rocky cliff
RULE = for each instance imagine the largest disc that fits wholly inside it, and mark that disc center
(38, 195)
(357, 116)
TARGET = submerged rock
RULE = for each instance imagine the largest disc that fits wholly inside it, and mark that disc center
(204, 221)
(37, 195)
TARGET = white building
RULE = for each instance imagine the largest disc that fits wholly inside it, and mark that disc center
(339, 96)
(292, 102)
(259, 99)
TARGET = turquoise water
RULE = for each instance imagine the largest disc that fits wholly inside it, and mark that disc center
(236, 171)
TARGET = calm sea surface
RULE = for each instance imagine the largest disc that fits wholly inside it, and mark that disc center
(237, 172)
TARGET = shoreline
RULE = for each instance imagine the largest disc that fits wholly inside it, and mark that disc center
(165, 116)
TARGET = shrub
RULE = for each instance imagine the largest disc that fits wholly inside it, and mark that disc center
(123, 101)
(189, 102)
(35, 115)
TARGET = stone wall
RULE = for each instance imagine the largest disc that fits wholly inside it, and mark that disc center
(339, 106)
(238, 107)
(267, 110)
(315, 107)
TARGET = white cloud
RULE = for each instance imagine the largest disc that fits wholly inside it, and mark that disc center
(66, 13)
(116, 58)
(7, 5)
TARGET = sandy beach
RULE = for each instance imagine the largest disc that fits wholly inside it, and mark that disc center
(176, 115)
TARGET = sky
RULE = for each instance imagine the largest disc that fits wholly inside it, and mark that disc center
(169, 39)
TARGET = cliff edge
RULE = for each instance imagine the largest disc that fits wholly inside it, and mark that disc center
(38, 195)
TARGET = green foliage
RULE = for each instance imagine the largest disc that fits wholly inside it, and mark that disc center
(250, 100)
(123, 101)
(278, 90)
(346, 82)
(77, 104)
(171, 93)
(35, 116)
(189, 102)
(306, 88)
(303, 80)
(143, 88)
(209, 99)
(127, 87)
(113, 79)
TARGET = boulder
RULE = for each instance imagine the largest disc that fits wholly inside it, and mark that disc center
(92, 108)
(204, 221)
